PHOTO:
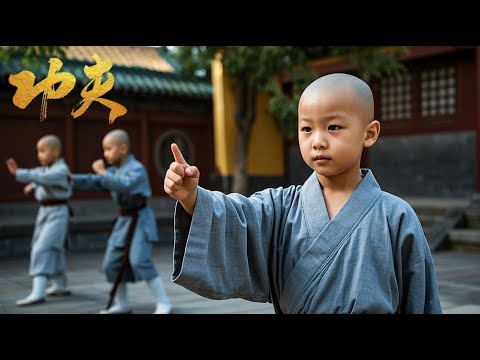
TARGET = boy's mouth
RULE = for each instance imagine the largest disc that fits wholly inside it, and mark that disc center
(321, 157)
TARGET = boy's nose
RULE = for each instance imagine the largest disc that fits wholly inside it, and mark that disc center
(319, 141)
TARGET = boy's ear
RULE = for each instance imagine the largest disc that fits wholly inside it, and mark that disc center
(57, 152)
(124, 148)
(371, 133)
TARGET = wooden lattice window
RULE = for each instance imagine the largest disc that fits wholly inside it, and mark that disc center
(438, 91)
(396, 98)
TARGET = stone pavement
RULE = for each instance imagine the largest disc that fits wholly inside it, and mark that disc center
(90, 290)
(458, 275)
(457, 272)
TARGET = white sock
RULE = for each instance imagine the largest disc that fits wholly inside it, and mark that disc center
(121, 296)
(59, 282)
(39, 286)
(38, 291)
(158, 290)
(164, 305)
(120, 301)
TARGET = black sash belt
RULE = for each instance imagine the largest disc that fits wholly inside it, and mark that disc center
(53, 202)
(57, 202)
(133, 213)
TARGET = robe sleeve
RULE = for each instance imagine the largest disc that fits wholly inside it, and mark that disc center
(221, 251)
(122, 182)
(87, 182)
(419, 286)
(42, 176)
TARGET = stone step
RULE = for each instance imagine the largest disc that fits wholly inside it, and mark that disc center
(464, 238)
(433, 211)
(436, 206)
(437, 233)
(429, 219)
(472, 216)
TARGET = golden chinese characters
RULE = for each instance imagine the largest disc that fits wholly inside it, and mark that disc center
(27, 91)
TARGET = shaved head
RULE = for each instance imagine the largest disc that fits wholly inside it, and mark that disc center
(119, 137)
(52, 141)
(344, 86)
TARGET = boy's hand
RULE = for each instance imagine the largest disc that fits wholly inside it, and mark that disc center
(181, 181)
(99, 167)
(28, 189)
(11, 166)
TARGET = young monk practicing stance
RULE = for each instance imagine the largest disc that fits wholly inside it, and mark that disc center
(127, 181)
(51, 188)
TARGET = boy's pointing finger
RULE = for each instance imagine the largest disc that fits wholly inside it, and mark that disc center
(177, 154)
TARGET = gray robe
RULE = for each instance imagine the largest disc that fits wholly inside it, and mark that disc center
(47, 255)
(280, 246)
(129, 187)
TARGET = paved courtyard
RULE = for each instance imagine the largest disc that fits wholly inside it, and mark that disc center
(457, 271)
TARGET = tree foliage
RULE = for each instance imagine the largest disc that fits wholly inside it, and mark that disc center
(373, 62)
(283, 106)
(260, 68)
(252, 69)
(369, 62)
(31, 56)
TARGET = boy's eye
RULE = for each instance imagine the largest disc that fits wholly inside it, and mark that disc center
(306, 129)
(334, 127)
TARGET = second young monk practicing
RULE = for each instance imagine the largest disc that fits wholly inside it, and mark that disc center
(127, 181)
(337, 244)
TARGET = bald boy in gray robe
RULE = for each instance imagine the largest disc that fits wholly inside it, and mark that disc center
(51, 188)
(336, 244)
(127, 181)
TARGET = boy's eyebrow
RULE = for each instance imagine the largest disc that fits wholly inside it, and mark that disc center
(326, 118)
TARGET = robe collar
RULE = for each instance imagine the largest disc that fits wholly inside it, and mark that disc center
(327, 236)
(314, 207)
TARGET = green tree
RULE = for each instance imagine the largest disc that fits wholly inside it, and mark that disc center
(31, 55)
(258, 68)
(372, 61)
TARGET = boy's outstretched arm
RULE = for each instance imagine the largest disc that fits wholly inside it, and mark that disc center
(40, 175)
(86, 182)
(181, 181)
(11, 166)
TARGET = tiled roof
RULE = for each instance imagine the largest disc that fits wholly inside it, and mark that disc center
(128, 56)
(136, 68)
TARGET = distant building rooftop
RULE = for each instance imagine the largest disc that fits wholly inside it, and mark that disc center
(147, 58)
(137, 69)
